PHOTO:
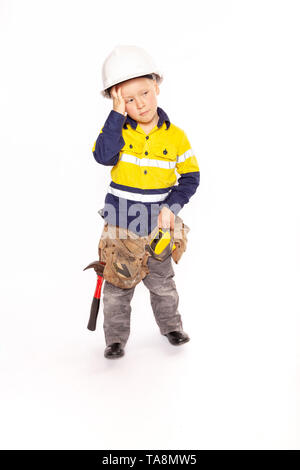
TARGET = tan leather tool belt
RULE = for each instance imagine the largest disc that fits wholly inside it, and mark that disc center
(125, 253)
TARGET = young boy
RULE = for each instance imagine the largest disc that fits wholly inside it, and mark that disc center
(144, 149)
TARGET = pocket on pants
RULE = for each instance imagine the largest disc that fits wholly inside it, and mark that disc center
(162, 269)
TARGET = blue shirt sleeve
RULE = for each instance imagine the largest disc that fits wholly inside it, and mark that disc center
(183, 191)
(110, 140)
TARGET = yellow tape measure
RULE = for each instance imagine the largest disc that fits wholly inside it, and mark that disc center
(161, 240)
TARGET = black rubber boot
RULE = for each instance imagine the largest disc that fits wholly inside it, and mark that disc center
(113, 351)
(177, 337)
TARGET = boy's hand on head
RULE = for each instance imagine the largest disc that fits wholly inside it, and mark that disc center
(118, 100)
(166, 219)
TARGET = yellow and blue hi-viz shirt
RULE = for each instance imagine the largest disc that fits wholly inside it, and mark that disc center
(144, 170)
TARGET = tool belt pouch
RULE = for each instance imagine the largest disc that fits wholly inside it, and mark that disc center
(180, 239)
(124, 257)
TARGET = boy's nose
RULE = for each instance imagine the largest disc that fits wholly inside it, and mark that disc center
(139, 104)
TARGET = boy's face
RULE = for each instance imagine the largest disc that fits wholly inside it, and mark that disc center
(140, 98)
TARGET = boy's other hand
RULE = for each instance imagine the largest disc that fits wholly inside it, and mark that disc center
(166, 219)
(118, 100)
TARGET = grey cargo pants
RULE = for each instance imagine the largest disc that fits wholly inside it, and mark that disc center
(164, 301)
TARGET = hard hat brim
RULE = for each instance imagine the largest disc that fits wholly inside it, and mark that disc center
(158, 76)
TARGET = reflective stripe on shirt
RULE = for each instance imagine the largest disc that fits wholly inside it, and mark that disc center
(126, 157)
(185, 155)
(138, 196)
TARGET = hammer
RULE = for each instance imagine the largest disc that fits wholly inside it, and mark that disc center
(99, 268)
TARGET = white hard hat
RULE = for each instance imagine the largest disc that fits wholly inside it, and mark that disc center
(126, 62)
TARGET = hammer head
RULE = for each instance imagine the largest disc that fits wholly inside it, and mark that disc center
(98, 267)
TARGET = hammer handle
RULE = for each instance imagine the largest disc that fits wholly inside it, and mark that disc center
(95, 305)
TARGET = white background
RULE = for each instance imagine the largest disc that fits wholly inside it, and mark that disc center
(231, 81)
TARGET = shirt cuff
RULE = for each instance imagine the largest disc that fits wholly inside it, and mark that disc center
(114, 122)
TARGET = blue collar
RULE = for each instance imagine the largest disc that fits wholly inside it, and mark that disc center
(163, 117)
